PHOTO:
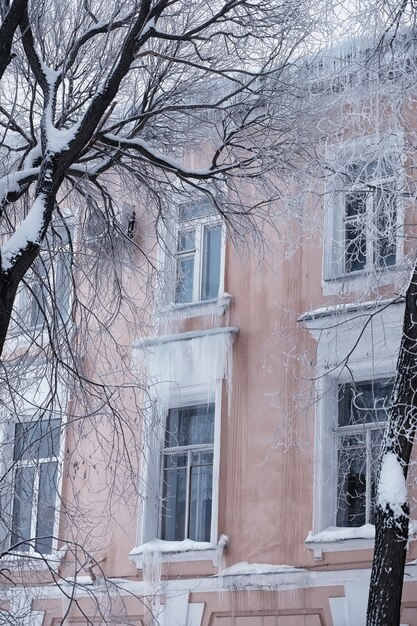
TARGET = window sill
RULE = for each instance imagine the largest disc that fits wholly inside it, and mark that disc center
(180, 551)
(216, 306)
(335, 539)
(33, 561)
(361, 278)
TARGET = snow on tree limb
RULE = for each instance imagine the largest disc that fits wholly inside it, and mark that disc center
(29, 232)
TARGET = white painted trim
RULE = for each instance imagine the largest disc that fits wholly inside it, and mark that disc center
(344, 545)
(335, 281)
(216, 306)
(368, 339)
(194, 334)
(180, 384)
(213, 553)
(282, 581)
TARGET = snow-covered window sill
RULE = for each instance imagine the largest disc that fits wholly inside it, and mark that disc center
(217, 306)
(336, 539)
(179, 551)
(23, 561)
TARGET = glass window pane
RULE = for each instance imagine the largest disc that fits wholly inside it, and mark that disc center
(185, 279)
(190, 426)
(355, 247)
(201, 491)
(63, 286)
(37, 440)
(364, 402)
(46, 507)
(211, 262)
(351, 490)
(38, 293)
(174, 501)
(186, 241)
(203, 208)
(386, 231)
(22, 507)
(356, 204)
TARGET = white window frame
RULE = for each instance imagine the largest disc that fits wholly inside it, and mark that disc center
(28, 300)
(9, 466)
(198, 225)
(366, 429)
(194, 396)
(181, 379)
(345, 334)
(355, 151)
(37, 464)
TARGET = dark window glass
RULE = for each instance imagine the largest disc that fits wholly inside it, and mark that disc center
(37, 440)
(22, 507)
(211, 262)
(364, 402)
(362, 411)
(46, 507)
(355, 232)
(187, 476)
(190, 426)
(35, 483)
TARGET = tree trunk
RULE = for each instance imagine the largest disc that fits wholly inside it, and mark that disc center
(391, 524)
(9, 282)
(387, 572)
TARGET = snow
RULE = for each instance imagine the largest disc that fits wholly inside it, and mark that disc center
(11, 182)
(198, 334)
(205, 357)
(148, 26)
(392, 488)
(351, 307)
(59, 140)
(335, 533)
(169, 161)
(247, 569)
(161, 546)
(51, 76)
(29, 231)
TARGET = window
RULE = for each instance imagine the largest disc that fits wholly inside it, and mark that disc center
(363, 217)
(35, 478)
(198, 255)
(370, 215)
(361, 415)
(187, 474)
(48, 286)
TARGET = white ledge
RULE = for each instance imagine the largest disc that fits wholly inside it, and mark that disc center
(336, 539)
(161, 339)
(348, 307)
(32, 561)
(187, 310)
(258, 569)
(179, 551)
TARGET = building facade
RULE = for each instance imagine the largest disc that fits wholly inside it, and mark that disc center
(264, 383)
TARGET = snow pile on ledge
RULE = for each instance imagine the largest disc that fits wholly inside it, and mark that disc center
(247, 569)
(168, 547)
(392, 488)
(334, 533)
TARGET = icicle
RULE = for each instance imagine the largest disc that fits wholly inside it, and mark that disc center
(152, 579)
